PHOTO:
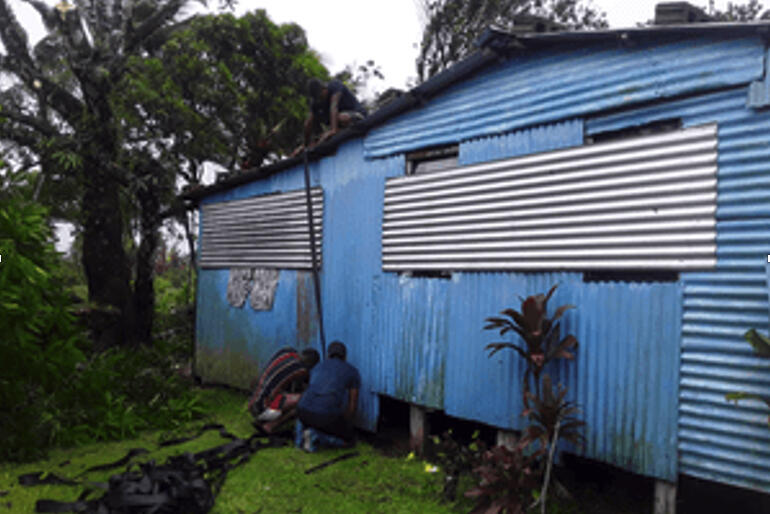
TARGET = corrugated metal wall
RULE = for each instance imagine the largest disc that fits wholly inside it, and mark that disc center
(234, 344)
(645, 202)
(420, 339)
(266, 231)
(545, 86)
(625, 376)
(351, 282)
(719, 440)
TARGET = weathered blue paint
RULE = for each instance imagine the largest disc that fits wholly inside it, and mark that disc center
(353, 196)
(351, 276)
(759, 90)
(719, 440)
(654, 360)
(545, 86)
(625, 376)
(234, 343)
(541, 138)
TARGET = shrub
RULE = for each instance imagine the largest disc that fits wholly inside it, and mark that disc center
(456, 459)
(41, 343)
(52, 392)
(507, 478)
(761, 345)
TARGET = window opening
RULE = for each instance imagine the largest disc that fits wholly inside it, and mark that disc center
(431, 160)
(648, 129)
(630, 276)
(443, 274)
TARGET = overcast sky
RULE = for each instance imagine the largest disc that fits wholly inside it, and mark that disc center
(348, 31)
(388, 32)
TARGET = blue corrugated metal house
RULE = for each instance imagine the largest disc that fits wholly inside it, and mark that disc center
(632, 167)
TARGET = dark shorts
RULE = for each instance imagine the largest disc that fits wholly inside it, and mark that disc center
(334, 424)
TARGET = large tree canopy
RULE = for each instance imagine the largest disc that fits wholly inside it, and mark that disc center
(119, 100)
(453, 25)
(230, 90)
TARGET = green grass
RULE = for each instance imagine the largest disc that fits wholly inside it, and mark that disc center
(273, 480)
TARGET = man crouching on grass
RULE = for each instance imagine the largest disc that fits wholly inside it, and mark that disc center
(327, 407)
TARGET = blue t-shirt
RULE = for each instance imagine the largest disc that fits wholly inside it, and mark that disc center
(329, 384)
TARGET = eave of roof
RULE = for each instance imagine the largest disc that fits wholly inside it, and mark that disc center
(493, 44)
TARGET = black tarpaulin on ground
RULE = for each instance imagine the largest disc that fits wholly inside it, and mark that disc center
(185, 483)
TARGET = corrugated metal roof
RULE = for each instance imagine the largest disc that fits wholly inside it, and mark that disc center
(492, 49)
(543, 86)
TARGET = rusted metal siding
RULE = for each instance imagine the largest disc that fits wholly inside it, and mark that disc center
(644, 202)
(719, 440)
(544, 86)
(261, 231)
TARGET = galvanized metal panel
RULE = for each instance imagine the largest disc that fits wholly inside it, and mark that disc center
(266, 231)
(721, 440)
(543, 86)
(541, 203)
(626, 372)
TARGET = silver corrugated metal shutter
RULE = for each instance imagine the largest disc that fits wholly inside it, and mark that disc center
(640, 203)
(267, 231)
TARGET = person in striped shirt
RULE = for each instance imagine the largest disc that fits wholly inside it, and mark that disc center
(279, 387)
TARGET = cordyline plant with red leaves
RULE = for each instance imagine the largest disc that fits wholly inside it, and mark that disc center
(552, 417)
(507, 478)
(510, 478)
(541, 335)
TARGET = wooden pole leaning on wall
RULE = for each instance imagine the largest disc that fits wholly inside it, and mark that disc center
(314, 256)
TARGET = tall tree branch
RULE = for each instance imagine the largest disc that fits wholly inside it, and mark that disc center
(13, 36)
(32, 122)
(48, 14)
(68, 106)
(20, 136)
(165, 14)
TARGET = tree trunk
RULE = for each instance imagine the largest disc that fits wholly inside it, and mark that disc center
(144, 293)
(104, 259)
